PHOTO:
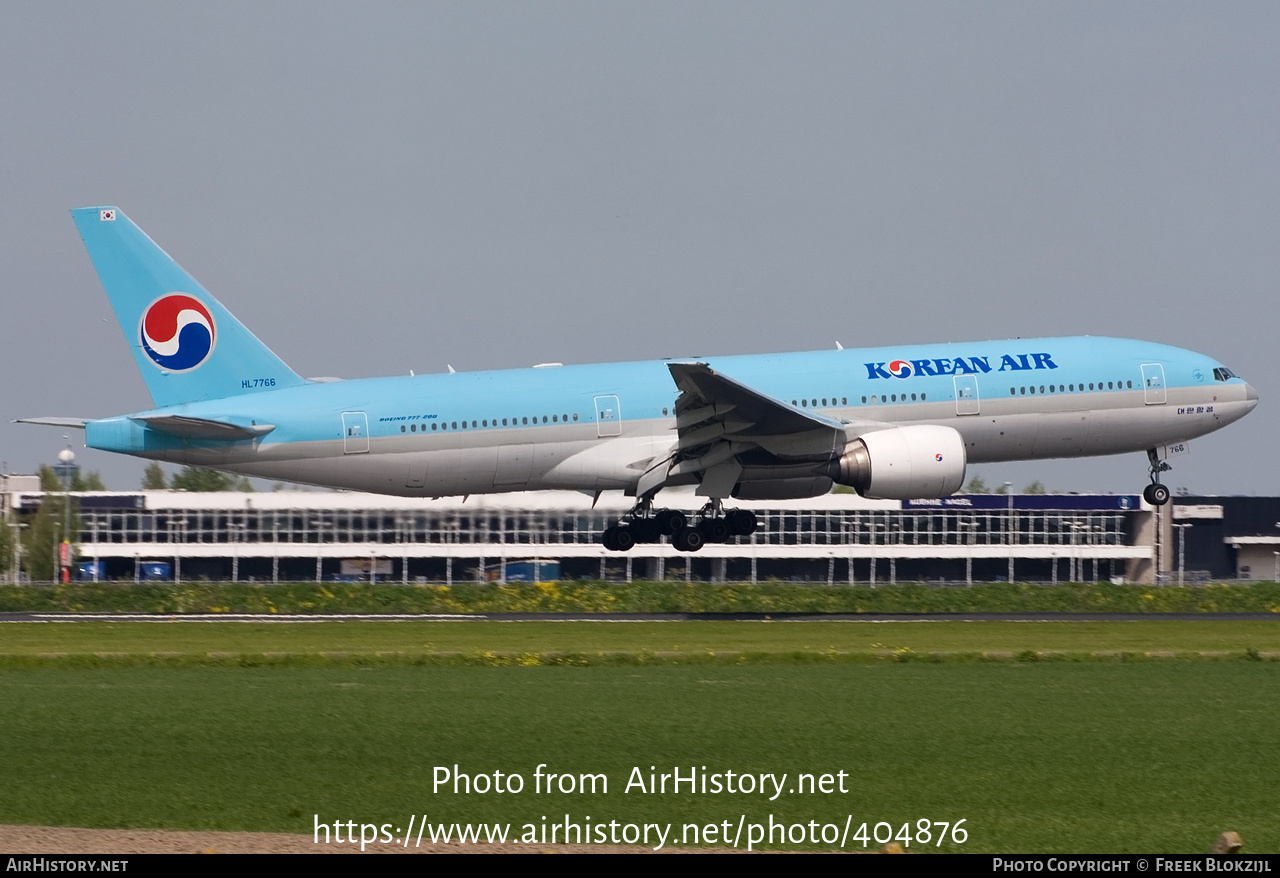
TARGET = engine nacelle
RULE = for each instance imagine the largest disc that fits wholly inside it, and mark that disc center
(903, 463)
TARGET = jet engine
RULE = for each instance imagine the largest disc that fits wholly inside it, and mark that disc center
(903, 463)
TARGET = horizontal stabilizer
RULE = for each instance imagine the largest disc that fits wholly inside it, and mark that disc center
(203, 428)
(75, 423)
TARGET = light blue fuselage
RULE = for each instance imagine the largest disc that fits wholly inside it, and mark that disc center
(596, 427)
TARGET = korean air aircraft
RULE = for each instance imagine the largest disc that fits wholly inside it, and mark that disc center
(896, 422)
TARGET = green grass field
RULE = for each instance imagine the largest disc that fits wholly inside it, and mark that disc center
(1036, 756)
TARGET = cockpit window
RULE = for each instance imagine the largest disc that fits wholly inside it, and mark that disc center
(1222, 373)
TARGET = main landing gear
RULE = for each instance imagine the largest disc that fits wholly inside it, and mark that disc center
(1155, 493)
(644, 524)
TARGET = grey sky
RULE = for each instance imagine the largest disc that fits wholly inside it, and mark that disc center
(374, 188)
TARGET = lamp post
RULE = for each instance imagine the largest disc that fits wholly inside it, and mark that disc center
(1182, 546)
(876, 530)
(1095, 537)
(966, 525)
(1008, 524)
(236, 528)
(66, 469)
(894, 534)
(17, 550)
(177, 535)
(321, 527)
(848, 539)
(94, 522)
(1075, 526)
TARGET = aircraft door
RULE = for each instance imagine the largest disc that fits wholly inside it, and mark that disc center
(1153, 383)
(355, 433)
(608, 416)
(515, 463)
(417, 476)
(967, 400)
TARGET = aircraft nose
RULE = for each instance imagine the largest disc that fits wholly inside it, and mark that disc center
(1250, 398)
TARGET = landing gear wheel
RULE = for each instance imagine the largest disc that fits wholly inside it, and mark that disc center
(687, 540)
(646, 530)
(624, 539)
(742, 522)
(715, 530)
(671, 521)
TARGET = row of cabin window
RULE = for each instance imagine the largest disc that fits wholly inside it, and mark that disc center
(902, 397)
(844, 400)
(805, 403)
(475, 425)
(1070, 388)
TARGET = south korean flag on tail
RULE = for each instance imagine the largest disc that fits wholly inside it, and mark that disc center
(106, 216)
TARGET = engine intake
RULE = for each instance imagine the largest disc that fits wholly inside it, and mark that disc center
(903, 463)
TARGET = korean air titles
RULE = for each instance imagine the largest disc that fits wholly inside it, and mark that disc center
(960, 366)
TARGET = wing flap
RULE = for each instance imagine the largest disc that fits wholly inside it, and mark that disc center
(704, 388)
(718, 419)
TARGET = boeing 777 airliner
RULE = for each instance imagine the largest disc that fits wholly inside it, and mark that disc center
(897, 422)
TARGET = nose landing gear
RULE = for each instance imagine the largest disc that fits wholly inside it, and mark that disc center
(1155, 493)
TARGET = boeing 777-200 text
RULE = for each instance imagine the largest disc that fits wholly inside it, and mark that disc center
(897, 422)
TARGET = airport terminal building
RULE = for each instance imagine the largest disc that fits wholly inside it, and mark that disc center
(322, 535)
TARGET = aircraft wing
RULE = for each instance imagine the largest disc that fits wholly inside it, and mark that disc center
(718, 419)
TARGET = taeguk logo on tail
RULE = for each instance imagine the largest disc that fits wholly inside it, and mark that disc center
(177, 332)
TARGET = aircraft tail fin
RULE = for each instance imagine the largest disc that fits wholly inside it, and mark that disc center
(187, 345)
